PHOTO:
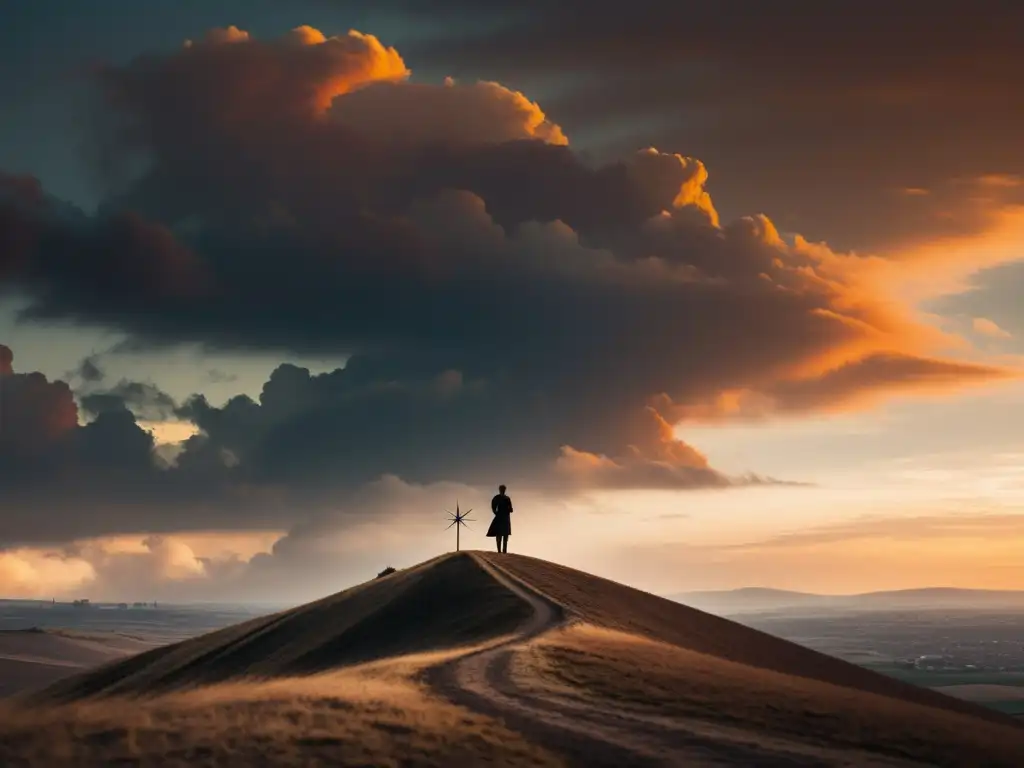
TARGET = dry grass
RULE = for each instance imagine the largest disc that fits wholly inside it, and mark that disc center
(648, 676)
(373, 715)
(607, 604)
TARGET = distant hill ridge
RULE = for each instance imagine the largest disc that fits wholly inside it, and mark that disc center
(749, 599)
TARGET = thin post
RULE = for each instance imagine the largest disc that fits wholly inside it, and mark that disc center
(458, 518)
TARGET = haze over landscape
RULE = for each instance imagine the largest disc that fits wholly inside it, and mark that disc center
(727, 294)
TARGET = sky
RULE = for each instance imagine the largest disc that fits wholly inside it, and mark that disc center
(727, 295)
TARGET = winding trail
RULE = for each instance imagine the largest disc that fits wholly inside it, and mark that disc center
(481, 681)
(586, 732)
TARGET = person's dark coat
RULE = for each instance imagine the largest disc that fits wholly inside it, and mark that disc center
(501, 525)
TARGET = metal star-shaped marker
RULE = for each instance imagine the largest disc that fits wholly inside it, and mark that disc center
(458, 519)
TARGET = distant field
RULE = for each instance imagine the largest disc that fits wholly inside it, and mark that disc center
(984, 693)
(1001, 691)
(166, 624)
(41, 643)
(1004, 698)
(937, 679)
(1009, 707)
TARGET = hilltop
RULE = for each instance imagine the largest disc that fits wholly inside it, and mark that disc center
(443, 603)
(474, 658)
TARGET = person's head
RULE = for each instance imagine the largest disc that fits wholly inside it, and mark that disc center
(501, 489)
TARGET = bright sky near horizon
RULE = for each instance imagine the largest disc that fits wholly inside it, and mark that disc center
(784, 349)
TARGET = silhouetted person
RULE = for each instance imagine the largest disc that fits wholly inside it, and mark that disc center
(501, 525)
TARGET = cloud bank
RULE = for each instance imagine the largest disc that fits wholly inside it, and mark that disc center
(511, 311)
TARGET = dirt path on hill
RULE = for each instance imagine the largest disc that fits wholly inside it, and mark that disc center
(588, 733)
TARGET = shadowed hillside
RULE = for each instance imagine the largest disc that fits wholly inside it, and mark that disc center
(442, 603)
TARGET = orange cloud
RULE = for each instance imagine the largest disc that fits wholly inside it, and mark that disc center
(655, 459)
(128, 566)
(877, 344)
(30, 573)
(933, 266)
(986, 327)
(233, 79)
(484, 112)
(581, 469)
(865, 380)
(679, 178)
(853, 384)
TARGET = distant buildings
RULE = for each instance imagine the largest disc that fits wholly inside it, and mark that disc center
(86, 603)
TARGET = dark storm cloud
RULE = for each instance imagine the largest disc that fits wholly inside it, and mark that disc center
(46, 457)
(37, 413)
(89, 370)
(145, 400)
(512, 311)
(63, 479)
(64, 257)
(833, 107)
